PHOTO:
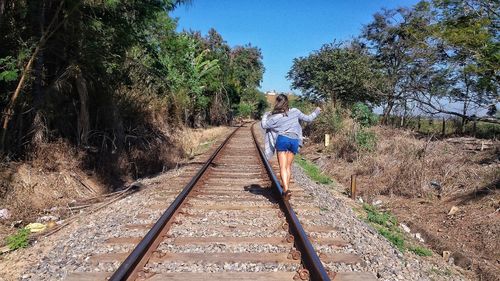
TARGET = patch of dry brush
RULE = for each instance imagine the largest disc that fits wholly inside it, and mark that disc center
(405, 164)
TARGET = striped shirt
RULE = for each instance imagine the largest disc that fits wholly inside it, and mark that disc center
(284, 124)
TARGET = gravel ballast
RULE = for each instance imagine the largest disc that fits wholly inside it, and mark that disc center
(72, 249)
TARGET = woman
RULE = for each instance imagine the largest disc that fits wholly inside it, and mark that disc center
(284, 134)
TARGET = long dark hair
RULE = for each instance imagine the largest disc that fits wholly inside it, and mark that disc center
(281, 105)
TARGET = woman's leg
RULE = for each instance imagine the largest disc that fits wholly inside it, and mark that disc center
(282, 160)
(289, 161)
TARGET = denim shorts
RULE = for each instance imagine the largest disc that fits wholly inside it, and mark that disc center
(287, 144)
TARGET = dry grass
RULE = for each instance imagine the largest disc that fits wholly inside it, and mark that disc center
(420, 180)
(405, 165)
(195, 141)
(56, 174)
(52, 178)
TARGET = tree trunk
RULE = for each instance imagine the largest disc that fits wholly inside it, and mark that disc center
(465, 107)
(38, 126)
(2, 10)
(118, 128)
(9, 109)
(39, 136)
(387, 111)
(464, 119)
(83, 114)
(39, 61)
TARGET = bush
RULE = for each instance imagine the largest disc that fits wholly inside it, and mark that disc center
(330, 121)
(245, 109)
(261, 106)
(366, 140)
(362, 114)
(18, 240)
(303, 105)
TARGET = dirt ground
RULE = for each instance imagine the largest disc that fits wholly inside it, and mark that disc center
(458, 174)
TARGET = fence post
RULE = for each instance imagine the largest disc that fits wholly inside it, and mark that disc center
(327, 140)
(418, 125)
(474, 128)
(443, 130)
(353, 187)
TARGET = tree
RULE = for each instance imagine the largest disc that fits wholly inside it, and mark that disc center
(72, 53)
(465, 34)
(391, 36)
(337, 73)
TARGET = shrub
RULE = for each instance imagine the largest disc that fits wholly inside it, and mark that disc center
(18, 240)
(330, 121)
(366, 140)
(362, 114)
(303, 105)
(245, 109)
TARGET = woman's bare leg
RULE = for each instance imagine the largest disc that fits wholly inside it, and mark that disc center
(282, 160)
(289, 161)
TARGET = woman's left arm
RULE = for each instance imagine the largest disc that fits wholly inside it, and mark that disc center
(310, 117)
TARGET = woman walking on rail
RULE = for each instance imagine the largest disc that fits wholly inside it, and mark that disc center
(284, 134)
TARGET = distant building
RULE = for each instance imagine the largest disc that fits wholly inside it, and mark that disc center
(271, 96)
(274, 93)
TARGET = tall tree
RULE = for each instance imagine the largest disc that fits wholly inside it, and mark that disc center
(338, 73)
(465, 36)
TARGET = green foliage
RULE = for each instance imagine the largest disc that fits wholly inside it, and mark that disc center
(337, 73)
(366, 140)
(429, 126)
(420, 251)
(8, 69)
(18, 240)
(136, 72)
(411, 57)
(362, 114)
(387, 225)
(331, 120)
(245, 109)
(395, 237)
(303, 105)
(382, 218)
(313, 171)
(441, 272)
(261, 105)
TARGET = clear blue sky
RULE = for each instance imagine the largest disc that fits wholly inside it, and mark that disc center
(282, 29)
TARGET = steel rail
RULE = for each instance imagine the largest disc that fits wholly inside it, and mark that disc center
(128, 267)
(309, 257)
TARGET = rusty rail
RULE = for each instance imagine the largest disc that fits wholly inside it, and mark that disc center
(309, 257)
(128, 269)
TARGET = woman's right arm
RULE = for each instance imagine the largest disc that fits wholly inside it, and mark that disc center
(265, 121)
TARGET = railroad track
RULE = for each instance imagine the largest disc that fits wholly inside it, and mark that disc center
(229, 222)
